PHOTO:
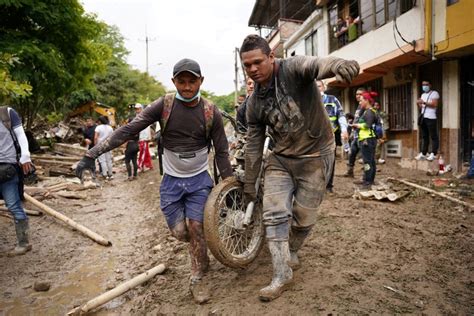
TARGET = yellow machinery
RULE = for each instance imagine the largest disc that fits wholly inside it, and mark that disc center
(97, 107)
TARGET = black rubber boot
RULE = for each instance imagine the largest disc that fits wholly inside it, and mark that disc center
(21, 227)
(282, 273)
(297, 237)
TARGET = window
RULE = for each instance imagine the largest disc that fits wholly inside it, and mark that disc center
(311, 44)
(375, 13)
(399, 107)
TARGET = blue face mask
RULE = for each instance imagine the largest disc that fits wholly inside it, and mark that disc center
(181, 98)
(425, 88)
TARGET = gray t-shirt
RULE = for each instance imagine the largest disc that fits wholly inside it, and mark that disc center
(7, 146)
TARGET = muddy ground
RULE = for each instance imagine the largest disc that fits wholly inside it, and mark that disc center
(363, 257)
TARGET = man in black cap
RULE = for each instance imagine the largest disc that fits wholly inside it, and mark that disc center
(188, 124)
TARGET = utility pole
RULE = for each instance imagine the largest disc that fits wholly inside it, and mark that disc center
(147, 40)
(236, 80)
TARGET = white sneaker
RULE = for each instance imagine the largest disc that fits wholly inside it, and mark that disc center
(420, 156)
(431, 157)
(381, 161)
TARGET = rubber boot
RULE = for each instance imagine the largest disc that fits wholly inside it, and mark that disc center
(282, 273)
(21, 227)
(349, 173)
(297, 238)
(199, 263)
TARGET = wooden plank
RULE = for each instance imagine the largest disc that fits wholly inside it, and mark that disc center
(68, 149)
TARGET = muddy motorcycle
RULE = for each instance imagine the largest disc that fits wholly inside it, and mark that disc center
(235, 233)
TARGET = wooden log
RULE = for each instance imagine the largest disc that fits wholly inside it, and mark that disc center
(29, 212)
(433, 192)
(6, 215)
(52, 157)
(48, 210)
(119, 290)
(67, 149)
(59, 163)
(71, 195)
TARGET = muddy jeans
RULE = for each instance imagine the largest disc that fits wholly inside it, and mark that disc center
(294, 189)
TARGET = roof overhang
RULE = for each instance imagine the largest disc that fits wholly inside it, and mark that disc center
(384, 64)
(266, 13)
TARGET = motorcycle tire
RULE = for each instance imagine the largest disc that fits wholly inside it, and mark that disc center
(230, 243)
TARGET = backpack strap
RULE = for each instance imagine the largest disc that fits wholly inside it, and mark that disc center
(208, 110)
(5, 117)
(167, 108)
(208, 117)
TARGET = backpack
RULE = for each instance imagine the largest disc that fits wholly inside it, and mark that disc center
(168, 107)
(165, 115)
(377, 126)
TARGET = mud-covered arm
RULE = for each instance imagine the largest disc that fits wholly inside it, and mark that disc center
(254, 149)
(148, 116)
(221, 145)
(309, 68)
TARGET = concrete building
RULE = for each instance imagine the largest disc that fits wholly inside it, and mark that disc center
(398, 44)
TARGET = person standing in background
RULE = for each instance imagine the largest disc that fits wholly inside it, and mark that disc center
(428, 103)
(144, 157)
(103, 131)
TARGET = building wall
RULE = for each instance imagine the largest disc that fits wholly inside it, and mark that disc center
(459, 26)
(451, 115)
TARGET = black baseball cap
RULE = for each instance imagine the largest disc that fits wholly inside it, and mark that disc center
(188, 65)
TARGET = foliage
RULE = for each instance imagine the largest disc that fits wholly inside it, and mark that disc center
(54, 117)
(224, 102)
(57, 44)
(9, 88)
(121, 85)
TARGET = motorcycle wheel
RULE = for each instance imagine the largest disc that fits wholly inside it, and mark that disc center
(230, 243)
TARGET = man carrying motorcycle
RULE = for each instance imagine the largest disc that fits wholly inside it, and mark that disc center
(287, 101)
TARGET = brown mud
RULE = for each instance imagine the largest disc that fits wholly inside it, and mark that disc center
(413, 256)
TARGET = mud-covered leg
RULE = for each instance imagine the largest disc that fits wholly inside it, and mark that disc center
(282, 273)
(199, 262)
(180, 231)
(297, 237)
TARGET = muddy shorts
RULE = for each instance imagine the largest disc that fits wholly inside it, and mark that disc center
(182, 198)
(294, 189)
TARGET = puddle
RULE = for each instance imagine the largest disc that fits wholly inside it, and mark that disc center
(83, 284)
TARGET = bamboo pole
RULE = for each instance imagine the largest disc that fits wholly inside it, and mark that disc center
(86, 231)
(434, 192)
(119, 290)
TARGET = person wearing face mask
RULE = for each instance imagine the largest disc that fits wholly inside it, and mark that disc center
(428, 122)
(189, 123)
(354, 150)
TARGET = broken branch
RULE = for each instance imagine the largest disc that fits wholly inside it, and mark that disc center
(434, 192)
(119, 290)
(86, 231)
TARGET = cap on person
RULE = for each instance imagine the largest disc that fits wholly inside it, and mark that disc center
(138, 106)
(188, 65)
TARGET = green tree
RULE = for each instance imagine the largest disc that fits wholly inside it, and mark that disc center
(57, 44)
(121, 85)
(9, 88)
